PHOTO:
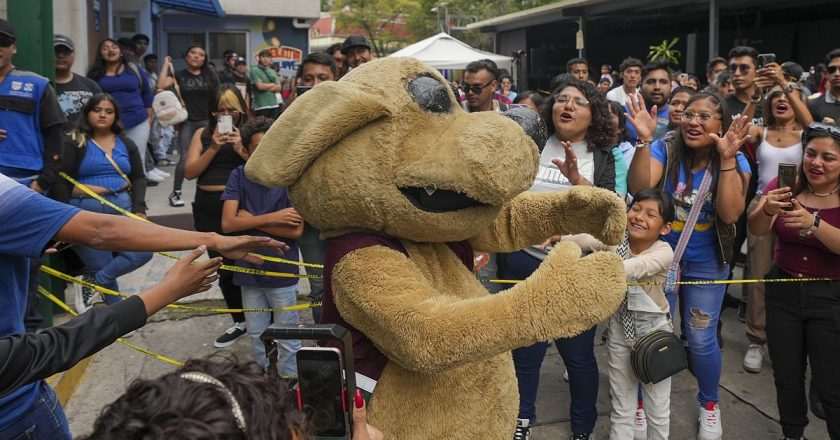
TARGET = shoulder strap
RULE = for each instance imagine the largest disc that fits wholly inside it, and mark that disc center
(693, 215)
(136, 72)
(175, 83)
(114, 164)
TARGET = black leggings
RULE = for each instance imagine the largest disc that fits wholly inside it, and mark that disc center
(207, 217)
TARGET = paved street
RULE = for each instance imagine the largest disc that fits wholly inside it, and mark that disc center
(747, 400)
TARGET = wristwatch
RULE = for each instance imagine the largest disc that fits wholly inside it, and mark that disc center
(790, 87)
(816, 224)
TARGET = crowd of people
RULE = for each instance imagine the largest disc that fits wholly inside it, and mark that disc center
(697, 164)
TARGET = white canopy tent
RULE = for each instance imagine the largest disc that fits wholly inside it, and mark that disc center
(442, 51)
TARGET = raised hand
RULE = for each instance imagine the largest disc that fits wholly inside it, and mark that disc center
(731, 141)
(569, 165)
(643, 122)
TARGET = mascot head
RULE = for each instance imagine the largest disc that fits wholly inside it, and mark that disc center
(388, 149)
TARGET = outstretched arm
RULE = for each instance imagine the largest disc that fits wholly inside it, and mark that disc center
(530, 218)
(425, 330)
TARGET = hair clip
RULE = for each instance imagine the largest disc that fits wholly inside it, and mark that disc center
(195, 376)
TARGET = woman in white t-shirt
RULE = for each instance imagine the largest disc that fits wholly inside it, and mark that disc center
(580, 151)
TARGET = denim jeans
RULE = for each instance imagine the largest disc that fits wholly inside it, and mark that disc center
(45, 420)
(578, 354)
(312, 250)
(257, 322)
(803, 325)
(700, 312)
(107, 266)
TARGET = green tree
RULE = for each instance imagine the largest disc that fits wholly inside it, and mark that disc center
(665, 51)
(377, 19)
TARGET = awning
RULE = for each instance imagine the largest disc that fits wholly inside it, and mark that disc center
(203, 7)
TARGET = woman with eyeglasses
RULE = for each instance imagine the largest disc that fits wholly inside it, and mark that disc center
(581, 144)
(803, 318)
(197, 85)
(707, 141)
(215, 151)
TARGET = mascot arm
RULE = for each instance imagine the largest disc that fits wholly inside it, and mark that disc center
(531, 217)
(380, 292)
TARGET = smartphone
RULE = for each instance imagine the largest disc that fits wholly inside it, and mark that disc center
(303, 89)
(766, 58)
(321, 386)
(225, 124)
(787, 177)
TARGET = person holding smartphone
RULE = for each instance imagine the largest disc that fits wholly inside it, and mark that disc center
(802, 317)
(215, 151)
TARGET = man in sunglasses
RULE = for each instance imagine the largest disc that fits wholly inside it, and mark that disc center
(479, 85)
(743, 65)
(825, 107)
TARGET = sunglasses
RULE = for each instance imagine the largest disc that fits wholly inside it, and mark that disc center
(475, 90)
(832, 69)
(7, 42)
(744, 68)
(820, 128)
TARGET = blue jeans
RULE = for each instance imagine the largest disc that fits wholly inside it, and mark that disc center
(107, 266)
(312, 250)
(700, 310)
(257, 322)
(578, 354)
(45, 420)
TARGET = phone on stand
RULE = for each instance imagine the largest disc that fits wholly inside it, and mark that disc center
(787, 177)
(320, 392)
(225, 124)
(766, 58)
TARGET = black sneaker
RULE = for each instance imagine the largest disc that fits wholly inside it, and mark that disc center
(523, 430)
(230, 335)
(175, 199)
(581, 436)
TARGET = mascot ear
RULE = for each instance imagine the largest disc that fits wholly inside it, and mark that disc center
(314, 122)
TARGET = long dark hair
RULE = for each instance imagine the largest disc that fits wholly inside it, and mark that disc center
(209, 75)
(83, 131)
(682, 157)
(229, 95)
(600, 131)
(97, 69)
(617, 110)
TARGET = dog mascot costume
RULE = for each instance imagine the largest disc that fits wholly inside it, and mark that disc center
(404, 186)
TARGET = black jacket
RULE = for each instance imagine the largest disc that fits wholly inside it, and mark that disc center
(72, 157)
(27, 357)
(604, 172)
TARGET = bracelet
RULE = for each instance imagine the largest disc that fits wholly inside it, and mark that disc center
(643, 144)
(764, 209)
(729, 169)
(755, 99)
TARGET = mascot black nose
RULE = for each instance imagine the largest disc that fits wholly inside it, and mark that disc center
(531, 122)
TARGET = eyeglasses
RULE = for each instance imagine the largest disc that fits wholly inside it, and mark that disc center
(744, 68)
(820, 128)
(475, 90)
(578, 100)
(832, 69)
(689, 116)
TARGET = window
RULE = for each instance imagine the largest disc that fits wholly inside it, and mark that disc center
(126, 24)
(222, 41)
(216, 44)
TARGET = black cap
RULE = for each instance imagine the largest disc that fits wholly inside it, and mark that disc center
(354, 41)
(792, 70)
(240, 60)
(7, 29)
(63, 40)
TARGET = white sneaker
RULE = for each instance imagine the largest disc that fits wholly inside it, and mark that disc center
(710, 426)
(157, 170)
(154, 177)
(640, 424)
(754, 358)
(523, 430)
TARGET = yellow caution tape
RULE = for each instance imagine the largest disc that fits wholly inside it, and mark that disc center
(700, 282)
(82, 187)
(67, 309)
(107, 291)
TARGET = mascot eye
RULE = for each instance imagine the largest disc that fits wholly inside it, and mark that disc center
(430, 95)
